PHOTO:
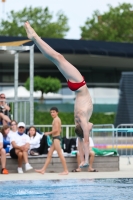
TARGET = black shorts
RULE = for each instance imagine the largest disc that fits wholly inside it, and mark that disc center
(13, 154)
(58, 137)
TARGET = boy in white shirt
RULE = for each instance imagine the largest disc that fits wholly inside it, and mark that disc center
(20, 145)
(91, 157)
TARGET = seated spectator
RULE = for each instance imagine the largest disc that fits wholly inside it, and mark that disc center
(20, 144)
(4, 110)
(91, 158)
(13, 128)
(38, 142)
(6, 140)
(35, 139)
(3, 156)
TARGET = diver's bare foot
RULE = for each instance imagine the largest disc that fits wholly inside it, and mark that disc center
(64, 173)
(41, 171)
(31, 34)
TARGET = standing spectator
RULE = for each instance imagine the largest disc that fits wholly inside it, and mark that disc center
(3, 156)
(20, 145)
(4, 110)
(6, 140)
(56, 130)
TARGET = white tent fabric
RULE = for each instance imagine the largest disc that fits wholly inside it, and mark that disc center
(104, 95)
(98, 95)
(24, 93)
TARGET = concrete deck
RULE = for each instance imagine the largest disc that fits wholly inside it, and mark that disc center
(101, 163)
(126, 171)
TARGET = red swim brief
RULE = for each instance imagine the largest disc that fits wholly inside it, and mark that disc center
(75, 86)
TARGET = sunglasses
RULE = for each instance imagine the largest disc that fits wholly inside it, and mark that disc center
(2, 97)
(21, 127)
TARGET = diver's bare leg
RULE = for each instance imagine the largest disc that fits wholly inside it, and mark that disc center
(67, 69)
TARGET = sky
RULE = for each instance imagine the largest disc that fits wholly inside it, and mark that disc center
(77, 11)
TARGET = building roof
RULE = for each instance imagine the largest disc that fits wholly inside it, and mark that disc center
(67, 46)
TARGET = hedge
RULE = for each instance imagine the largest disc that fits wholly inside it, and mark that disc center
(44, 118)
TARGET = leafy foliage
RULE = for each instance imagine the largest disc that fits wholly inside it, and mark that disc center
(44, 85)
(45, 118)
(114, 25)
(68, 118)
(41, 19)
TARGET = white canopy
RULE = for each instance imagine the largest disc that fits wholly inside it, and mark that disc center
(98, 95)
(104, 95)
(24, 93)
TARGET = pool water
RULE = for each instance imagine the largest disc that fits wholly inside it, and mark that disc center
(92, 189)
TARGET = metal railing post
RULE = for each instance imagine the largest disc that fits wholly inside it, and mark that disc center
(31, 85)
(16, 66)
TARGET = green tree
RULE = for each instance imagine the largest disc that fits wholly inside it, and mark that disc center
(41, 19)
(44, 85)
(114, 25)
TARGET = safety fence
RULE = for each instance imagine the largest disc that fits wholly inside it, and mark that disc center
(19, 110)
(101, 139)
(105, 136)
(124, 139)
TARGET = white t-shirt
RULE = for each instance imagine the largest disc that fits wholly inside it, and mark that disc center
(90, 140)
(1, 138)
(20, 140)
(35, 141)
(11, 133)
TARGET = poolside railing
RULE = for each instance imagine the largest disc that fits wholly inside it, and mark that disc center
(103, 135)
(19, 110)
(125, 139)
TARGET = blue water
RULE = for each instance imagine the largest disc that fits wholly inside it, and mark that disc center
(97, 189)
